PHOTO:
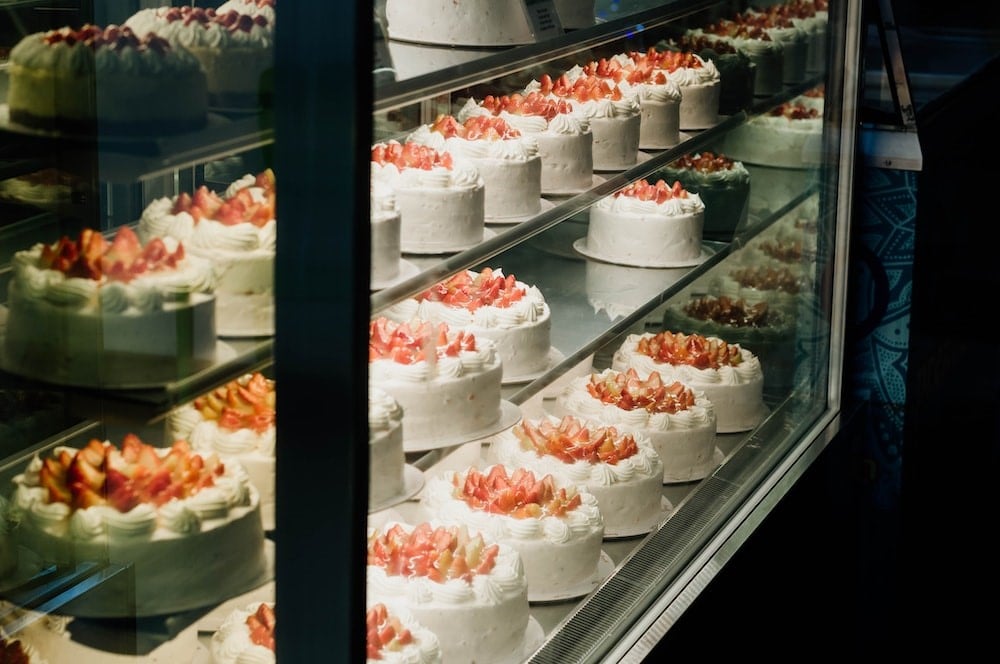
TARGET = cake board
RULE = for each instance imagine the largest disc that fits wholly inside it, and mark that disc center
(639, 529)
(763, 412)
(717, 458)
(580, 246)
(413, 482)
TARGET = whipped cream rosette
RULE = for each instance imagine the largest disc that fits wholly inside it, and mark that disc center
(765, 52)
(698, 79)
(395, 637)
(245, 636)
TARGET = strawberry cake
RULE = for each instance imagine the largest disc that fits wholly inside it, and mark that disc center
(767, 54)
(237, 232)
(94, 312)
(508, 161)
(463, 586)
(678, 420)
(777, 285)
(722, 183)
(622, 470)
(252, 7)
(647, 225)
(555, 525)
(169, 512)
(441, 202)
(565, 142)
(386, 459)
(394, 636)
(615, 117)
(489, 305)
(729, 375)
(386, 236)
(736, 71)
(787, 136)
(111, 79)
(246, 635)
(698, 79)
(432, 370)
(792, 37)
(235, 50)
(236, 421)
(659, 98)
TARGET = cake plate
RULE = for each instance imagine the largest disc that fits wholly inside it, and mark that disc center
(580, 246)
(641, 157)
(555, 357)
(544, 205)
(406, 270)
(717, 458)
(510, 414)
(666, 509)
(413, 482)
(605, 566)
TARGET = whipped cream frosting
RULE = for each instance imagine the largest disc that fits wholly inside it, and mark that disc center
(504, 580)
(518, 148)
(437, 177)
(585, 518)
(748, 370)
(577, 399)
(571, 124)
(736, 174)
(384, 412)
(80, 59)
(591, 109)
(672, 207)
(176, 518)
(195, 33)
(644, 463)
(146, 292)
(529, 309)
(231, 643)
(425, 648)
(466, 362)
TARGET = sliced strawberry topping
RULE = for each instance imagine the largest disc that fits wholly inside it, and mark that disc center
(92, 257)
(385, 632)
(474, 290)
(531, 104)
(691, 349)
(416, 341)
(242, 403)
(659, 192)
(440, 554)
(704, 162)
(573, 440)
(520, 494)
(261, 626)
(478, 127)
(410, 155)
(628, 392)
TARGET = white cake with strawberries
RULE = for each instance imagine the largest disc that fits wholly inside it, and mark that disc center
(170, 513)
(113, 313)
(431, 371)
(507, 159)
(680, 422)
(246, 635)
(393, 636)
(465, 587)
(237, 232)
(555, 525)
(622, 470)
(493, 306)
(565, 141)
(236, 421)
(729, 375)
(386, 459)
(647, 224)
(441, 203)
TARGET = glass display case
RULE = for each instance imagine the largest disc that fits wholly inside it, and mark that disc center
(770, 257)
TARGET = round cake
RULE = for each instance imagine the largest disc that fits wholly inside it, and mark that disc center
(489, 305)
(622, 470)
(647, 225)
(237, 233)
(394, 636)
(565, 142)
(467, 23)
(615, 117)
(508, 161)
(722, 183)
(770, 332)
(91, 312)
(441, 203)
(555, 525)
(787, 136)
(386, 460)
(466, 588)
(432, 371)
(246, 635)
(234, 49)
(736, 71)
(659, 97)
(168, 512)
(729, 375)
(111, 79)
(386, 230)
(792, 38)
(253, 7)
(679, 421)
(236, 421)
(767, 54)
(812, 17)
(777, 285)
(698, 79)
